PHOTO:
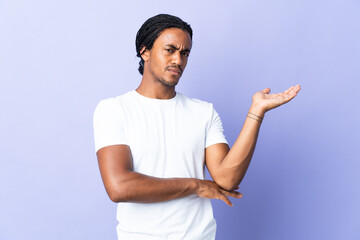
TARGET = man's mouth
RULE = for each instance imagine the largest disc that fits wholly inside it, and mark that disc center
(176, 71)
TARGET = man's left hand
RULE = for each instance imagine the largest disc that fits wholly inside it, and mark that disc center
(266, 101)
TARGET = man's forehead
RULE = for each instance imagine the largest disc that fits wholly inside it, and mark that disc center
(175, 37)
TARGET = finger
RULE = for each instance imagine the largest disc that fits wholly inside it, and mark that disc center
(291, 93)
(233, 194)
(266, 90)
(236, 195)
(225, 199)
(288, 90)
(297, 88)
(288, 97)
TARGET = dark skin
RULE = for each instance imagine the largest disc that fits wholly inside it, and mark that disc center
(163, 67)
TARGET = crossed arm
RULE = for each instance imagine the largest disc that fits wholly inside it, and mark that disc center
(226, 166)
(124, 185)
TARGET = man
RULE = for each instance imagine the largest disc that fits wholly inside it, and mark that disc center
(153, 143)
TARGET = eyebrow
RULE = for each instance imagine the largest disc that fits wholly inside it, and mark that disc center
(172, 46)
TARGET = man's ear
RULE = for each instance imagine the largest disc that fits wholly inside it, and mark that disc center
(145, 53)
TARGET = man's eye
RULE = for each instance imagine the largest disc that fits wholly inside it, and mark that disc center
(186, 54)
(169, 50)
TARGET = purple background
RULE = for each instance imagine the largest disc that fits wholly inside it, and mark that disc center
(59, 58)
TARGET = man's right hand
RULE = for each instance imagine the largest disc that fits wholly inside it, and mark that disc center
(209, 189)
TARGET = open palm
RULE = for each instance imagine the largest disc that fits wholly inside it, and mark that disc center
(269, 101)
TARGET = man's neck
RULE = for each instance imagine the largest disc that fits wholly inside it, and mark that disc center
(157, 90)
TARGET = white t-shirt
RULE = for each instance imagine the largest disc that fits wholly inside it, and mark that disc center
(167, 138)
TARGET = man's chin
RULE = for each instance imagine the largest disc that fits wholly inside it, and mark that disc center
(169, 83)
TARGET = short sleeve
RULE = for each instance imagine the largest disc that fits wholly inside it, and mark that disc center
(109, 125)
(215, 131)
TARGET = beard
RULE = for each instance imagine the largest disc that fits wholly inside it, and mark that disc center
(164, 78)
(167, 83)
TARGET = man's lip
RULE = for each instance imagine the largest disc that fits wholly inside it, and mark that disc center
(178, 71)
(173, 71)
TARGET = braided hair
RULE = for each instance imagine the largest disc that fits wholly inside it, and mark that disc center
(151, 29)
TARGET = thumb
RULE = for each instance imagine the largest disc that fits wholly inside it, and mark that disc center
(266, 91)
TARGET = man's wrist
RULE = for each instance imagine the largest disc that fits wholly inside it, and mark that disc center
(193, 185)
(257, 110)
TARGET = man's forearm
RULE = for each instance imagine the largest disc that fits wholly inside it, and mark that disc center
(233, 167)
(137, 187)
(141, 188)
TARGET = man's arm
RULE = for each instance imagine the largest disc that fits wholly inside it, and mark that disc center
(124, 185)
(228, 166)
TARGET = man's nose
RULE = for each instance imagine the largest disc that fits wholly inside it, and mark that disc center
(176, 58)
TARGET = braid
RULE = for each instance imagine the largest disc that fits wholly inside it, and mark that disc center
(151, 29)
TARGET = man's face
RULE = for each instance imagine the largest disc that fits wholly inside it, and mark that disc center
(167, 59)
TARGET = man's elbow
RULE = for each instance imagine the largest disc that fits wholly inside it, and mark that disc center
(115, 197)
(118, 194)
(227, 184)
